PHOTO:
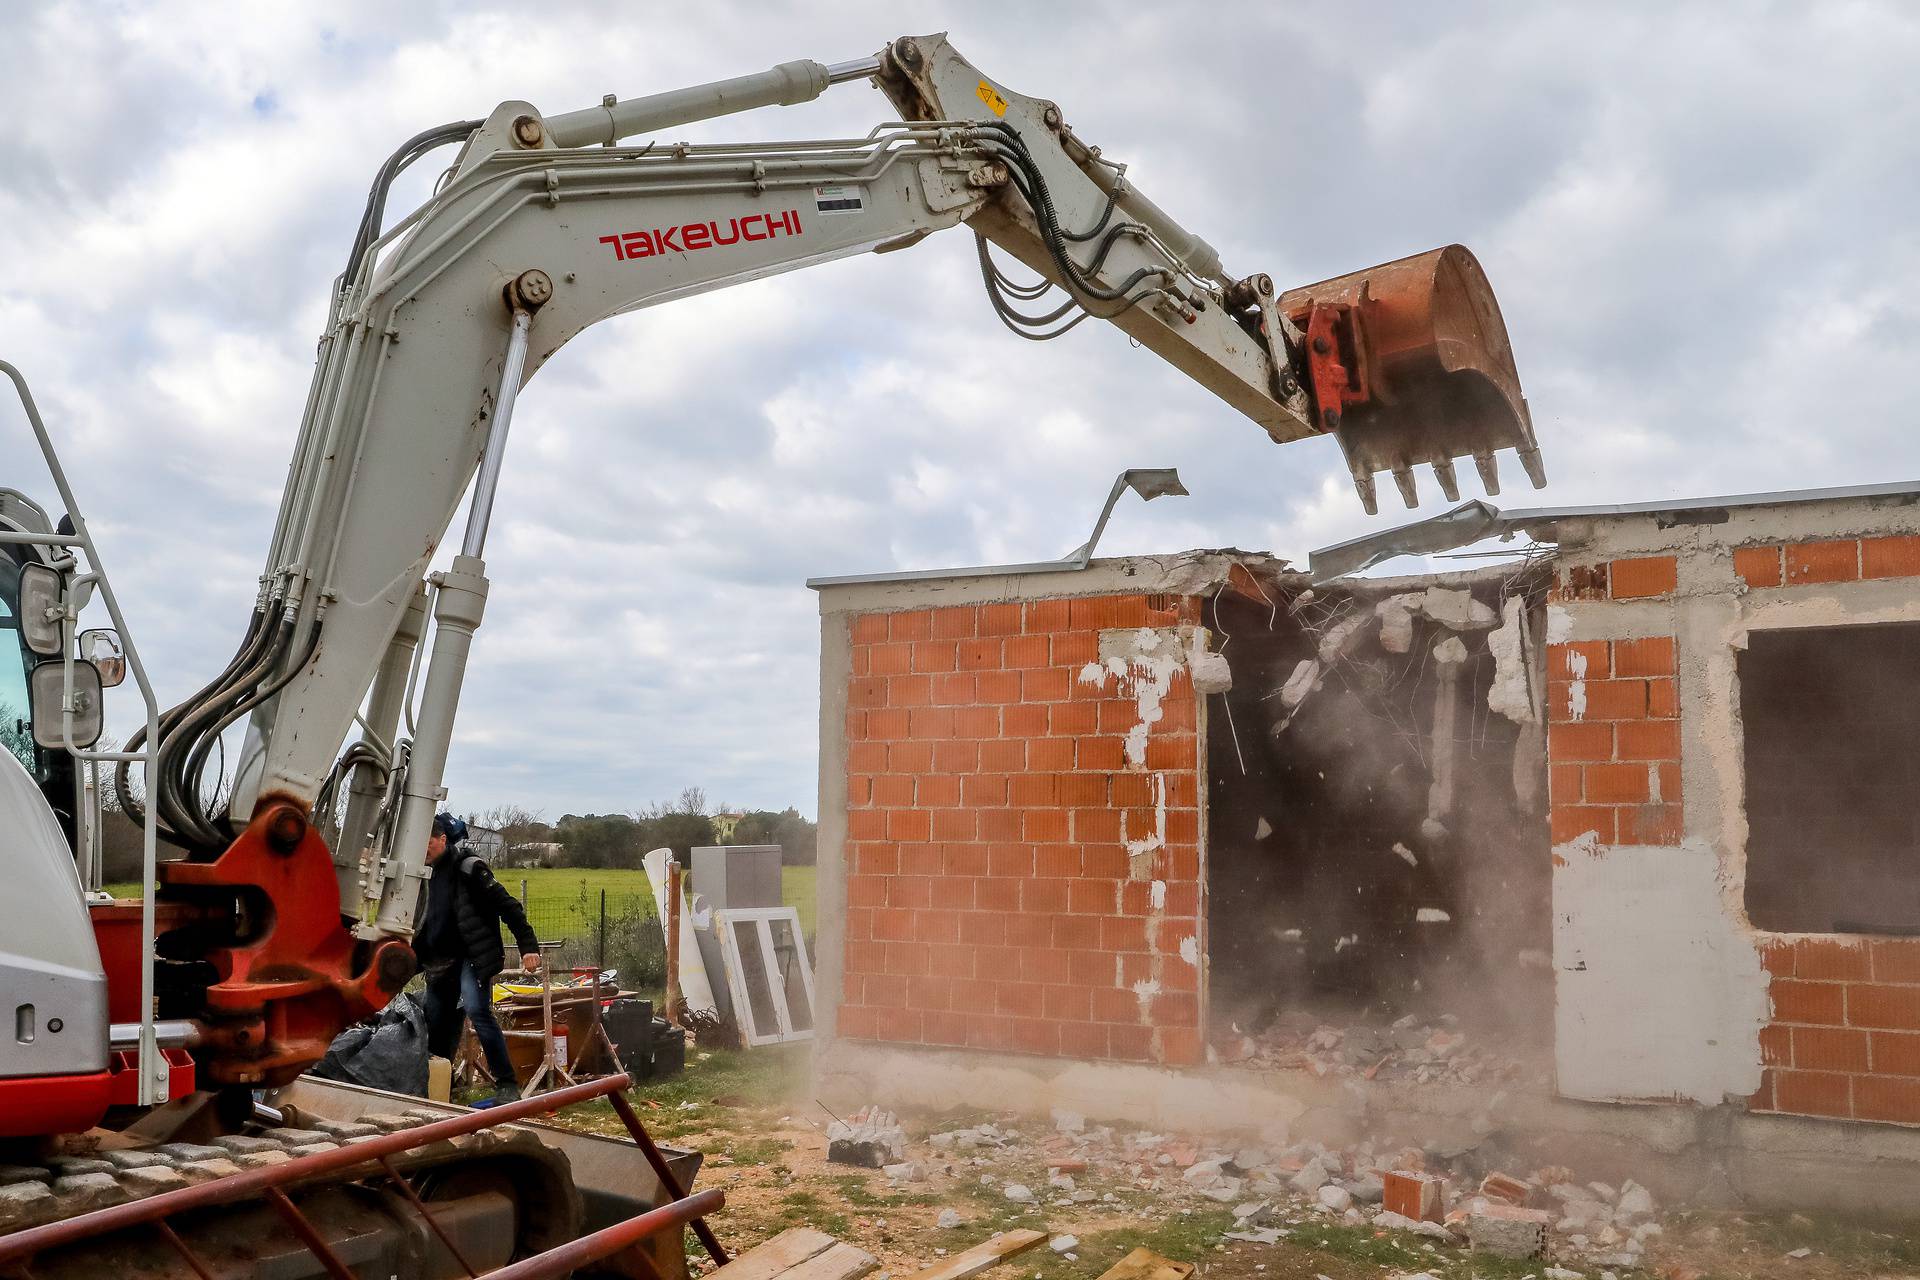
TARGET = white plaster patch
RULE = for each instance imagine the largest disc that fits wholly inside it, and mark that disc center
(1147, 659)
(1431, 915)
(1144, 991)
(1190, 950)
(1559, 624)
(1407, 855)
(1658, 991)
(1262, 829)
(1157, 895)
(1093, 673)
(1577, 700)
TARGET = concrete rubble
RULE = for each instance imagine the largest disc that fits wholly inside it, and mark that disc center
(870, 1138)
(1275, 1187)
(1412, 1048)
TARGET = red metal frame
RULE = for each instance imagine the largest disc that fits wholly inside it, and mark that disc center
(18, 1249)
(286, 990)
(35, 1105)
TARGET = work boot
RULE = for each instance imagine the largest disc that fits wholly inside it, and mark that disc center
(505, 1093)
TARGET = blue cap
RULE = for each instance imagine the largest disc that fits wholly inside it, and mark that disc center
(445, 824)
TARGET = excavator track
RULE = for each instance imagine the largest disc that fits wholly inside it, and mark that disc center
(493, 1196)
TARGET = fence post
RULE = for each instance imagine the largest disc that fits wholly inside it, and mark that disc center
(523, 893)
(600, 954)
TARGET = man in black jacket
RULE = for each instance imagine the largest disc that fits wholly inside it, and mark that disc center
(458, 943)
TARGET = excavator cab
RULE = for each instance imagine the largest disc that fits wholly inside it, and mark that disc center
(1408, 363)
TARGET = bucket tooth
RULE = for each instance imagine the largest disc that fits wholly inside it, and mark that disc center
(1449, 483)
(1409, 492)
(1369, 496)
(1489, 471)
(1535, 468)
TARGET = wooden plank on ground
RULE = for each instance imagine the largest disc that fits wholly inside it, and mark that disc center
(842, 1262)
(981, 1256)
(777, 1256)
(1144, 1264)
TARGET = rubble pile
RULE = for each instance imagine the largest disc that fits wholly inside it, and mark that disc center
(1412, 1049)
(1275, 1187)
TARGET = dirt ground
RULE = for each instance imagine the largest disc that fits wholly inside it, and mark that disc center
(765, 1145)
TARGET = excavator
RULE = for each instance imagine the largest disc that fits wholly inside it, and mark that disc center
(282, 910)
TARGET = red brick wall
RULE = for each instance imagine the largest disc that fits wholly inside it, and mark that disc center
(1614, 765)
(991, 899)
(1845, 1039)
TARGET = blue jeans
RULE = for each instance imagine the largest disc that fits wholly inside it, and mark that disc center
(456, 994)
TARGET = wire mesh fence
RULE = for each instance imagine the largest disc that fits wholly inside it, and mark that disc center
(594, 927)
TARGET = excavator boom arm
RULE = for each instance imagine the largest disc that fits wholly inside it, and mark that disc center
(547, 225)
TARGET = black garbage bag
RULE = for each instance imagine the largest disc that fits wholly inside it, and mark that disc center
(388, 1051)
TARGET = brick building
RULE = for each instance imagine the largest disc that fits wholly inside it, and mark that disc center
(1641, 794)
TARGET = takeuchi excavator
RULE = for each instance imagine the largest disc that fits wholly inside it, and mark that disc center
(283, 908)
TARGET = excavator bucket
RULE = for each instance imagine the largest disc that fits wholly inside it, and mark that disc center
(1408, 363)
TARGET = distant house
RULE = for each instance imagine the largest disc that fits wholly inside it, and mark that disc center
(724, 825)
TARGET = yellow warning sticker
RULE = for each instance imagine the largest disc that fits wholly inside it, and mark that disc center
(995, 103)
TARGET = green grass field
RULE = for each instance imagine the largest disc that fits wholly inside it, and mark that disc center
(571, 896)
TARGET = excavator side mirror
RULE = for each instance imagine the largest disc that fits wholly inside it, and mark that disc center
(101, 647)
(45, 690)
(39, 601)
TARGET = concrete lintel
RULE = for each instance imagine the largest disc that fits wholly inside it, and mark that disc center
(1184, 573)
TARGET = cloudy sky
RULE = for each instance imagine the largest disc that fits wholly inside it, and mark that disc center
(1699, 220)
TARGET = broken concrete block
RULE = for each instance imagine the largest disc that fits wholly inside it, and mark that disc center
(1209, 671)
(1366, 1189)
(948, 1220)
(1069, 1121)
(1335, 1197)
(1303, 681)
(1508, 1231)
(151, 1180)
(906, 1171)
(69, 1166)
(1063, 1244)
(872, 1139)
(1450, 652)
(81, 1192)
(1419, 1196)
(387, 1122)
(1018, 1193)
(1455, 609)
(13, 1174)
(1396, 621)
(1636, 1201)
(1312, 1176)
(1341, 638)
(1400, 1222)
(24, 1204)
